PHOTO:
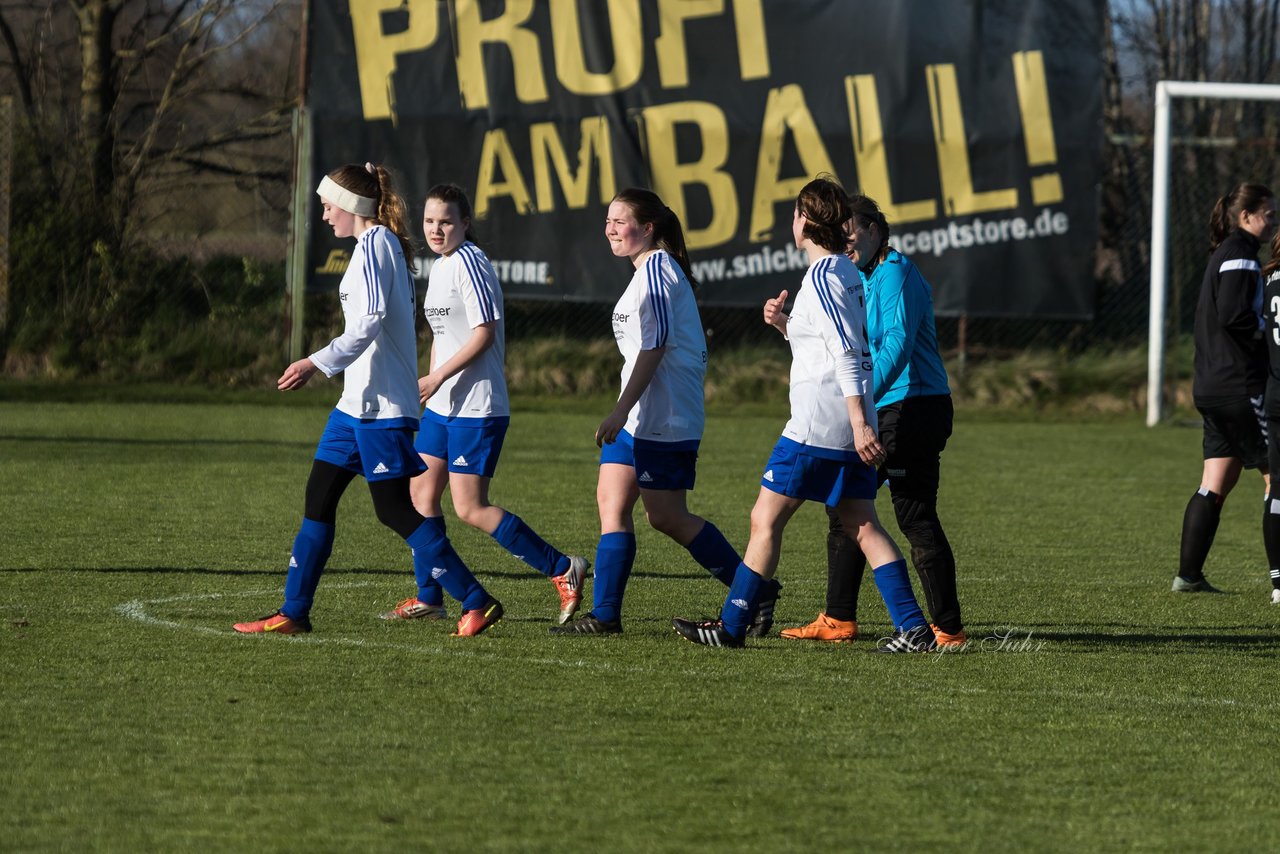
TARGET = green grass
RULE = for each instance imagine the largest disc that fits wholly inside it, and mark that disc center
(132, 718)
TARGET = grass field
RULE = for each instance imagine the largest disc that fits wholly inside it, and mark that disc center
(1114, 715)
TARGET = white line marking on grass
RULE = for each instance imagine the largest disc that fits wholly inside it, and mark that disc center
(136, 609)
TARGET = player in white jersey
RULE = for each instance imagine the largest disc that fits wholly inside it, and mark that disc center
(371, 430)
(461, 433)
(649, 442)
(828, 450)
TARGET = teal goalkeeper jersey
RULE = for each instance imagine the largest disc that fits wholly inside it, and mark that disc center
(904, 340)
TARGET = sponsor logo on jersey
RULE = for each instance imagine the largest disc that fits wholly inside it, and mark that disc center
(620, 318)
(437, 571)
(461, 461)
(435, 311)
(381, 468)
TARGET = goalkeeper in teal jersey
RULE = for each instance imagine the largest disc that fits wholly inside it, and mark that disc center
(913, 406)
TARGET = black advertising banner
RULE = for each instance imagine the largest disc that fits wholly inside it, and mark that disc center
(976, 126)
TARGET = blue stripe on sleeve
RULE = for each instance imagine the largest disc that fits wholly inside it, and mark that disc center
(658, 301)
(371, 290)
(823, 288)
(473, 260)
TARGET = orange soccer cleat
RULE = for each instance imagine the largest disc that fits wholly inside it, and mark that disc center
(475, 621)
(569, 586)
(957, 640)
(825, 629)
(414, 608)
(276, 623)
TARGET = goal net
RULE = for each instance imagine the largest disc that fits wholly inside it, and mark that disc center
(1208, 138)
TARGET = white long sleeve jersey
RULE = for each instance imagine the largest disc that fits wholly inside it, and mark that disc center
(658, 309)
(827, 321)
(377, 352)
(462, 293)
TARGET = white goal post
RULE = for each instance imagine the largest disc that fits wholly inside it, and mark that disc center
(1166, 91)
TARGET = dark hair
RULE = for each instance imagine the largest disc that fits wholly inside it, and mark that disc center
(867, 213)
(374, 182)
(825, 207)
(1274, 264)
(1246, 198)
(648, 209)
(452, 194)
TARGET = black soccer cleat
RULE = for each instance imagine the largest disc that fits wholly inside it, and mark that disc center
(588, 625)
(705, 632)
(919, 639)
(762, 622)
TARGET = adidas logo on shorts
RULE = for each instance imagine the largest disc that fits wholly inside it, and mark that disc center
(437, 571)
(461, 461)
(293, 562)
(769, 475)
(381, 468)
(644, 477)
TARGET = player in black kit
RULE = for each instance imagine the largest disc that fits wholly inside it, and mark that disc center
(1230, 370)
(1271, 308)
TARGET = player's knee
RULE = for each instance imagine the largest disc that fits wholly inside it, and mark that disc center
(325, 486)
(470, 513)
(663, 521)
(911, 511)
(393, 507)
(835, 527)
(918, 520)
(838, 540)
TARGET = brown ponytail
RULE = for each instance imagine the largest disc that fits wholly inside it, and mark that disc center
(1246, 198)
(374, 182)
(647, 208)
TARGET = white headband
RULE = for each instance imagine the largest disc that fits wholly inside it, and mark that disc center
(332, 191)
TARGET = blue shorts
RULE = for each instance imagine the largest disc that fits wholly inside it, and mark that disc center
(658, 465)
(817, 474)
(379, 450)
(471, 445)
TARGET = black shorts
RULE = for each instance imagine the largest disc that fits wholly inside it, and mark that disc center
(1236, 429)
(913, 432)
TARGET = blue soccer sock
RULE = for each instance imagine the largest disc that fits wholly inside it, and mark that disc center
(713, 552)
(615, 555)
(740, 604)
(518, 538)
(895, 589)
(311, 548)
(434, 557)
(429, 590)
